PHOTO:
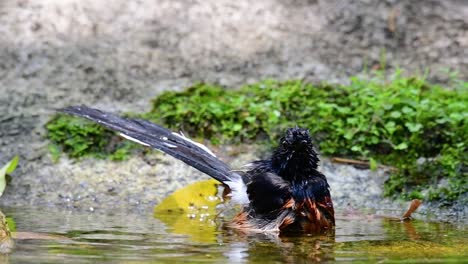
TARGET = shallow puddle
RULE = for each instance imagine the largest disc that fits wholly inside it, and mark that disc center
(72, 237)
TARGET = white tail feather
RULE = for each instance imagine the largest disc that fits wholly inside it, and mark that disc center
(134, 139)
(205, 148)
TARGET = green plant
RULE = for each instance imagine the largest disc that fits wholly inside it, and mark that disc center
(79, 137)
(403, 122)
(5, 170)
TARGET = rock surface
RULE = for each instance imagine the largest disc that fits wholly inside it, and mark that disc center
(118, 55)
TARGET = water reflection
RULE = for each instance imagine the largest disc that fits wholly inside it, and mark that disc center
(258, 248)
(121, 237)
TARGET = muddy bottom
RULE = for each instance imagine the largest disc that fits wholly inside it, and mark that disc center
(118, 237)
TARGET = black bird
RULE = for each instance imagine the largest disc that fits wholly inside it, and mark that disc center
(285, 193)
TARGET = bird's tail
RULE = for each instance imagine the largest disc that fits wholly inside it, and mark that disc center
(152, 135)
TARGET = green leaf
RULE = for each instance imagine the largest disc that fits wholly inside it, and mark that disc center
(352, 120)
(7, 169)
(387, 106)
(54, 150)
(11, 224)
(12, 165)
(395, 114)
(407, 110)
(401, 146)
(373, 164)
(356, 148)
(236, 127)
(456, 116)
(344, 110)
(390, 127)
(413, 127)
(348, 134)
(250, 119)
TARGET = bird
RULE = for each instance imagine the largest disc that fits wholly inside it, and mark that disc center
(284, 193)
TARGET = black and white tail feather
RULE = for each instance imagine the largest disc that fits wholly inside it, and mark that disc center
(177, 145)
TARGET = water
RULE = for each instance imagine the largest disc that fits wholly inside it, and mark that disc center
(119, 237)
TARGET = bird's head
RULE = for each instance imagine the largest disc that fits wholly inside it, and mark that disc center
(296, 139)
(295, 153)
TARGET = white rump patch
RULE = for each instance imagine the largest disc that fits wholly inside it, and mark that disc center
(134, 140)
(238, 191)
(200, 145)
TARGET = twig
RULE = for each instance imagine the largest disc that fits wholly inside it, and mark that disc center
(360, 163)
(350, 161)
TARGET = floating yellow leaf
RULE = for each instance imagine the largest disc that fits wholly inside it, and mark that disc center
(195, 198)
(191, 210)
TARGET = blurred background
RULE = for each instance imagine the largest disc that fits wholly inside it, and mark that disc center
(119, 54)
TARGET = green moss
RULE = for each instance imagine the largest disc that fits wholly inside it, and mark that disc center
(406, 122)
(79, 137)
